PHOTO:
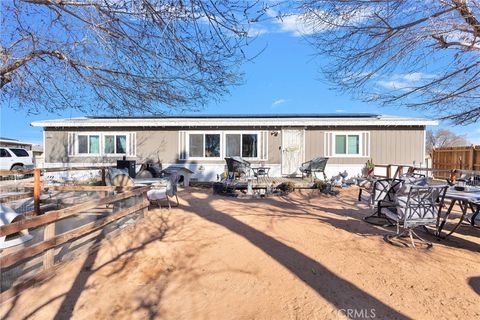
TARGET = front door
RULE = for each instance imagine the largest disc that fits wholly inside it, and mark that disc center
(292, 151)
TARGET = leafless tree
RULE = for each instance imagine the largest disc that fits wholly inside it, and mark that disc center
(421, 54)
(121, 56)
(444, 138)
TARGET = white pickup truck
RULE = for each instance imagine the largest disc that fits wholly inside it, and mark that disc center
(15, 159)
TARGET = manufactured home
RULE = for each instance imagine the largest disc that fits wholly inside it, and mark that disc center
(201, 142)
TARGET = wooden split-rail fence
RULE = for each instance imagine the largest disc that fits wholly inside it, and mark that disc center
(108, 195)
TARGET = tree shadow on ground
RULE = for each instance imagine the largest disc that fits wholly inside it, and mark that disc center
(87, 270)
(337, 291)
(70, 298)
(350, 217)
(474, 282)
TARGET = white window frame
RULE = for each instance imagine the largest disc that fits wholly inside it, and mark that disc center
(88, 134)
(348, 133)
(223, 147)
(241, 132)
(101, 135)
(187, 145)
(127, 141)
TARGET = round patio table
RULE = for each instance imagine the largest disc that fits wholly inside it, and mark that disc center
(261, 171)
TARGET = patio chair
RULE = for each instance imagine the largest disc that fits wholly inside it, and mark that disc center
(164, 190)
(237, 166)
(419, 206)
(411, 176)
(314, 165)
(476, 214)
(382, 193)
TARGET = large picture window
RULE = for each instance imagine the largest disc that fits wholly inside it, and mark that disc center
(88, 144)
(241, 144)
(115, 144)
(346, 144)
(204, 145)
(219, 144)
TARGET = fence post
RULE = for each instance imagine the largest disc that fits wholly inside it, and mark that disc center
(49, 255)
(36, 191)
(103, 177)
(389, 171)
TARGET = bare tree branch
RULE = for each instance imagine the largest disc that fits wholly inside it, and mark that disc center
(420, 54)
(121, 56)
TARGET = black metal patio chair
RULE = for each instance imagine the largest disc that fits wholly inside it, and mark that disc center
(237, 166)
(313, 166)
(381, 193)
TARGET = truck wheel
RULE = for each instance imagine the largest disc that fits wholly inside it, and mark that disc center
(16, 168)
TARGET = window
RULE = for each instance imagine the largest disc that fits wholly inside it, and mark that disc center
(115, 144)
(212, 145)
(109, 144)
(232, 147)
(196, 145)
(244, 145)
(346, 144)
(4, 153)
(249, 145)
(88, 144)
(20, 152)
(204, 145)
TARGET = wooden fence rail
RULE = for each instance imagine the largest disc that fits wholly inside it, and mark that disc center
(37, 183)
(51, 241)
(399, 169)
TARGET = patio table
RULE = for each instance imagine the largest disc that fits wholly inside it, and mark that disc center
(260, 171)
(465, 200)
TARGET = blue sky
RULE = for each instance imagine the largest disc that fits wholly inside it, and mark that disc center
(285, 78)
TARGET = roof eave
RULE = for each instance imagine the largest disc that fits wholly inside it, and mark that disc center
(256, 122)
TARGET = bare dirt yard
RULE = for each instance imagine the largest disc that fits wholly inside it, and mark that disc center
(303, 256)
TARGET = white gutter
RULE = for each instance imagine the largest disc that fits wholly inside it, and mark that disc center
(231, 122)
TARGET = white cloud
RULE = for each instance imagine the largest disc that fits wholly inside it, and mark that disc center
(257, 31)
(404, 81)
(300, 24)
(278, 102)
(394, 85)
(416, 76)
(295, 24)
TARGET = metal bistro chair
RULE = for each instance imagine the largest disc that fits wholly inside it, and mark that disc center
(314, 165)
(237, 166)
(382, 193)
(420, 207)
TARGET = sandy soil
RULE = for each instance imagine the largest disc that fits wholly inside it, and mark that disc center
(305, 256)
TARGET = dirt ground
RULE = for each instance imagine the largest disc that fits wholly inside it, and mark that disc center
(304, 256)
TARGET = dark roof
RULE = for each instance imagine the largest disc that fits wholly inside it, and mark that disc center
(227, 116)
(10, 139)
